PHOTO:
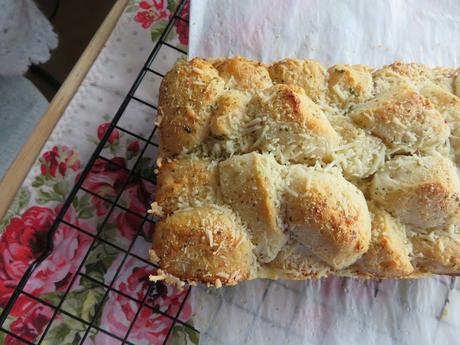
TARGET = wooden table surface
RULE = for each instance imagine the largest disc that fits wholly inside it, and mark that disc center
(17, 172)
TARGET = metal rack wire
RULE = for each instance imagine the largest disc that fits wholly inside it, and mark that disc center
(95, 237)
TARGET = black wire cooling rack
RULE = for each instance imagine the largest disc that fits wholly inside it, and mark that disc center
(95, 237)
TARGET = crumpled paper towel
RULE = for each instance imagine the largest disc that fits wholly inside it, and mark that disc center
(331, 311)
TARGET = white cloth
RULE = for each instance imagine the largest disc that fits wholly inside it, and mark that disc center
(21, 106)
(331, 311)
(26, 36)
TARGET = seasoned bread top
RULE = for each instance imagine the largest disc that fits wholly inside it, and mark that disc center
(291, 170)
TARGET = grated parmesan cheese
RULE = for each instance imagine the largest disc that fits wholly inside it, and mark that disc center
(223, 275)
(197, 70)
(218, 283)
(261, 137)
(210, 238)
(339, 92)
(157, 277)
(292, 192)
(155, 209)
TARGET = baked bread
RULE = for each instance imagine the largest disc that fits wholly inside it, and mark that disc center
(292, 171)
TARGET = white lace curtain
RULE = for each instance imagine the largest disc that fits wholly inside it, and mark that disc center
(26, 36)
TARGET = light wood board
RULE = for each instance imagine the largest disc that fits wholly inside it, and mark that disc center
(18, 170)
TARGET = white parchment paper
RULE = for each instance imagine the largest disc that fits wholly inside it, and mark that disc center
(331, 311)
(360, 31)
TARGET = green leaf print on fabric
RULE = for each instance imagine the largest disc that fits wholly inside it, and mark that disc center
(100, 259)
(19, 203)
(58, 166)
(83, 301)
(83, 206)
(146, 167)
(44, 197)
(172, 4)
(182, 335)
(158, 29)
(132, 6)
(53, 297)
(65, 331)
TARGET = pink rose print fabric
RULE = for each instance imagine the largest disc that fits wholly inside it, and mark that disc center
(150, 327)
(114, 136)
(153, 15)
(99, 252)
(25, 238)
(21, 242)
(59, 159)
(55, 273)
(182, 25)
(151, 12)
(31, 319)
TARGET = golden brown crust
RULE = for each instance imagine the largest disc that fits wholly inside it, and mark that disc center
(203, 244)
(228, 113)
(440, 255)
(410, 71)
(185, 182)
(388, 254)
(291, 171)
(421, 191)
(243, 74)
(297, 125)
(328, 215)
(403, 119)
(307, 74)
(399, 73)
(186, 95)
(350, 84)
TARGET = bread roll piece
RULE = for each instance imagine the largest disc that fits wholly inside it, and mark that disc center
(350, 84)
(185, 183)
(307, 74)
(403, 119)
(292, 126)
(294, 261)
(243, 74)
(388, 254)
(187, 94)
(445, 78)
(204, 244)
(449, 107)
(250, 185)
(328, 215)
(421, 191)
(294, 171)
(456, 87)
(437, 252)
(399, 73)
(228, 114)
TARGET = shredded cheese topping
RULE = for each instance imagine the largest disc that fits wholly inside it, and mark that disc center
(156, 209)
(292, 137)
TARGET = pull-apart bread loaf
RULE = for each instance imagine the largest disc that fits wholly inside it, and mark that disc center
(292, 171)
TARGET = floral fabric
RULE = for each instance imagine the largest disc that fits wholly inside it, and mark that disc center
(122, 228)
